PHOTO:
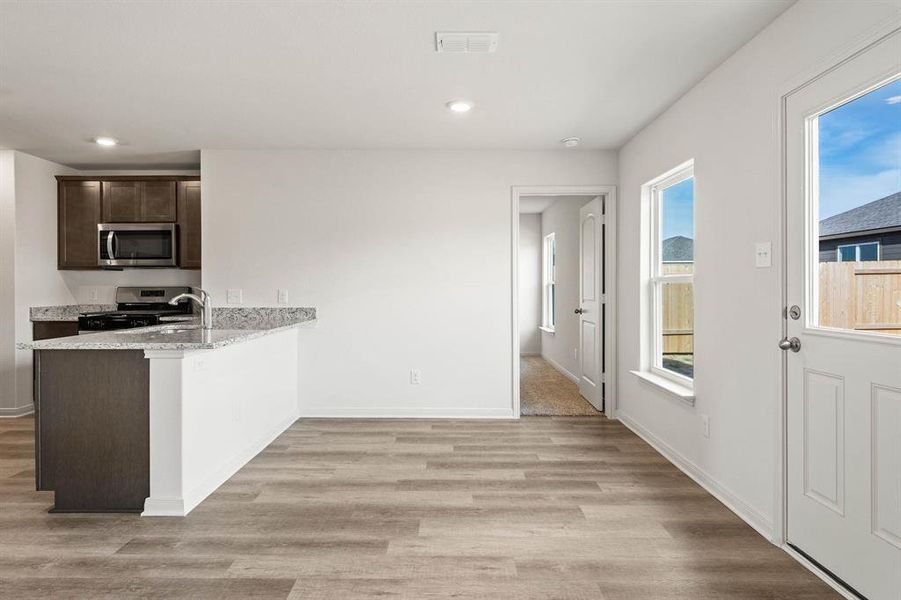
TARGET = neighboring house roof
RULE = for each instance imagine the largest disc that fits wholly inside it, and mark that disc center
(884, 213)
(678, 249)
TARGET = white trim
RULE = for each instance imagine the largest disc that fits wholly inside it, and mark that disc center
(548, 330)
(747, 513)
(164, 507)
(18, 411)
(610, 253)
(666, 384)
(530, 353)
(558, 367)
(406, 413)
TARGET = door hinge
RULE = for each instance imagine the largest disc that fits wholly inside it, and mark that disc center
(603, 298)
(603, 378)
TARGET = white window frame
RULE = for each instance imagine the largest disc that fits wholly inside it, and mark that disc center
(548, 282)
(657, 279)
(838, 250)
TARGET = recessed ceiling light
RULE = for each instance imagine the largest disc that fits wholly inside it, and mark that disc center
(571, 142)
(105, 141)
(460, 106)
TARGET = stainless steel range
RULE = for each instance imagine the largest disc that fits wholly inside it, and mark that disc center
(139, 307)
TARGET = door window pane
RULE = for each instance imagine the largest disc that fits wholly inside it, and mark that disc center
(858, 169)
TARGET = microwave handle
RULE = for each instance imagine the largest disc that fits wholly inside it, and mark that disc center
(109, 245)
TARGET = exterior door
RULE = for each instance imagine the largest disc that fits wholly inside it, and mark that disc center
(591, 307)
(843, 358)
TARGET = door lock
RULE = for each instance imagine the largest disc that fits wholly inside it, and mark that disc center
(795, 312)
(793, 344)
(579, 311)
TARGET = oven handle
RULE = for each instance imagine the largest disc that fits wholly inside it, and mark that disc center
(109, 245)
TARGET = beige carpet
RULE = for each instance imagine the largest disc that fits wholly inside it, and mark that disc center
(544, 391)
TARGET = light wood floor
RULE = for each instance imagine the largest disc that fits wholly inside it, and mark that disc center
(541, 508)
(544, 391)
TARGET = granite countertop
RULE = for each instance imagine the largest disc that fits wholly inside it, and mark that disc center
(230, 326)
(66, 312)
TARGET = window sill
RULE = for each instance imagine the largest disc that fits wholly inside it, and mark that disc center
(683, 393)
(546, 329)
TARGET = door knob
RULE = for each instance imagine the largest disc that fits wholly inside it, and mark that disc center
(793, 344)
(579, 311)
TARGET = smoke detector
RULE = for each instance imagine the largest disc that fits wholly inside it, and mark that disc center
(571, 142)
(466, 42)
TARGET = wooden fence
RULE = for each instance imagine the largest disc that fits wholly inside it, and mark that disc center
(861, 295)
(678, 312)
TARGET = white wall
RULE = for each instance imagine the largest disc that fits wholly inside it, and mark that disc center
(562, 219)
(29, 277)
(7, 283)
(406, 255)
(529, 283)
(727, 123)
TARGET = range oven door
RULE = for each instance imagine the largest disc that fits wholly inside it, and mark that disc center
(136, 245)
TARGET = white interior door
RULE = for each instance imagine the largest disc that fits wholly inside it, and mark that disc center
(844, 382)
(590, 309)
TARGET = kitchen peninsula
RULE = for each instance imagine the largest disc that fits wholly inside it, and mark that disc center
(153, 420)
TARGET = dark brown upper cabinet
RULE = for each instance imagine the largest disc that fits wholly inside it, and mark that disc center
(78, 206)
(139, 201)
(86, 201)
(189, 224)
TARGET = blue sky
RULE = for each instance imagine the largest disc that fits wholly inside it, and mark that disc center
(678, 210)
(860, 150)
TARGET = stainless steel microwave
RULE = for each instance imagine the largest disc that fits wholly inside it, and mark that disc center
(136, 244)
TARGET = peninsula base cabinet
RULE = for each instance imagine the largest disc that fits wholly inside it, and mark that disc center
(84, 202)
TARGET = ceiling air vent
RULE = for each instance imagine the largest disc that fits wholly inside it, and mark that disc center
(465, 42)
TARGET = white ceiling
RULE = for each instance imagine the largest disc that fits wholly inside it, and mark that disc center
(169, 78)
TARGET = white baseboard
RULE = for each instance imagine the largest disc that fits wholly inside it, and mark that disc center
(530, 353)
(314, 412)
(748, 514)
(560, 368)
(18, 411)
(164, 507)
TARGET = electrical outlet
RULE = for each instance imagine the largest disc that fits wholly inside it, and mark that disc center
(282, 296)
(415, 376)
(234, 296)
(199, 364)
(93, 295)
(763, 255)
(576, 353)
(705, 422)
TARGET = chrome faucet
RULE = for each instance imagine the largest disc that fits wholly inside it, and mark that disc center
(203, 300)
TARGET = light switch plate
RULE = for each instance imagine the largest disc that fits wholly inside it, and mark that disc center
(763, 255)
(234, 296)
(415, 376)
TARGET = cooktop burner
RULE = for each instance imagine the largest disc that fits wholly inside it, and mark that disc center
(137, 307)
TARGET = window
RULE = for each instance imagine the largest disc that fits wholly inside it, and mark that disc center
(854, 193)
(858, 252)
(549, 287)
(671, 278)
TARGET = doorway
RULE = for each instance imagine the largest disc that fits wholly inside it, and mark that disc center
(842, 322)
(562, 304)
